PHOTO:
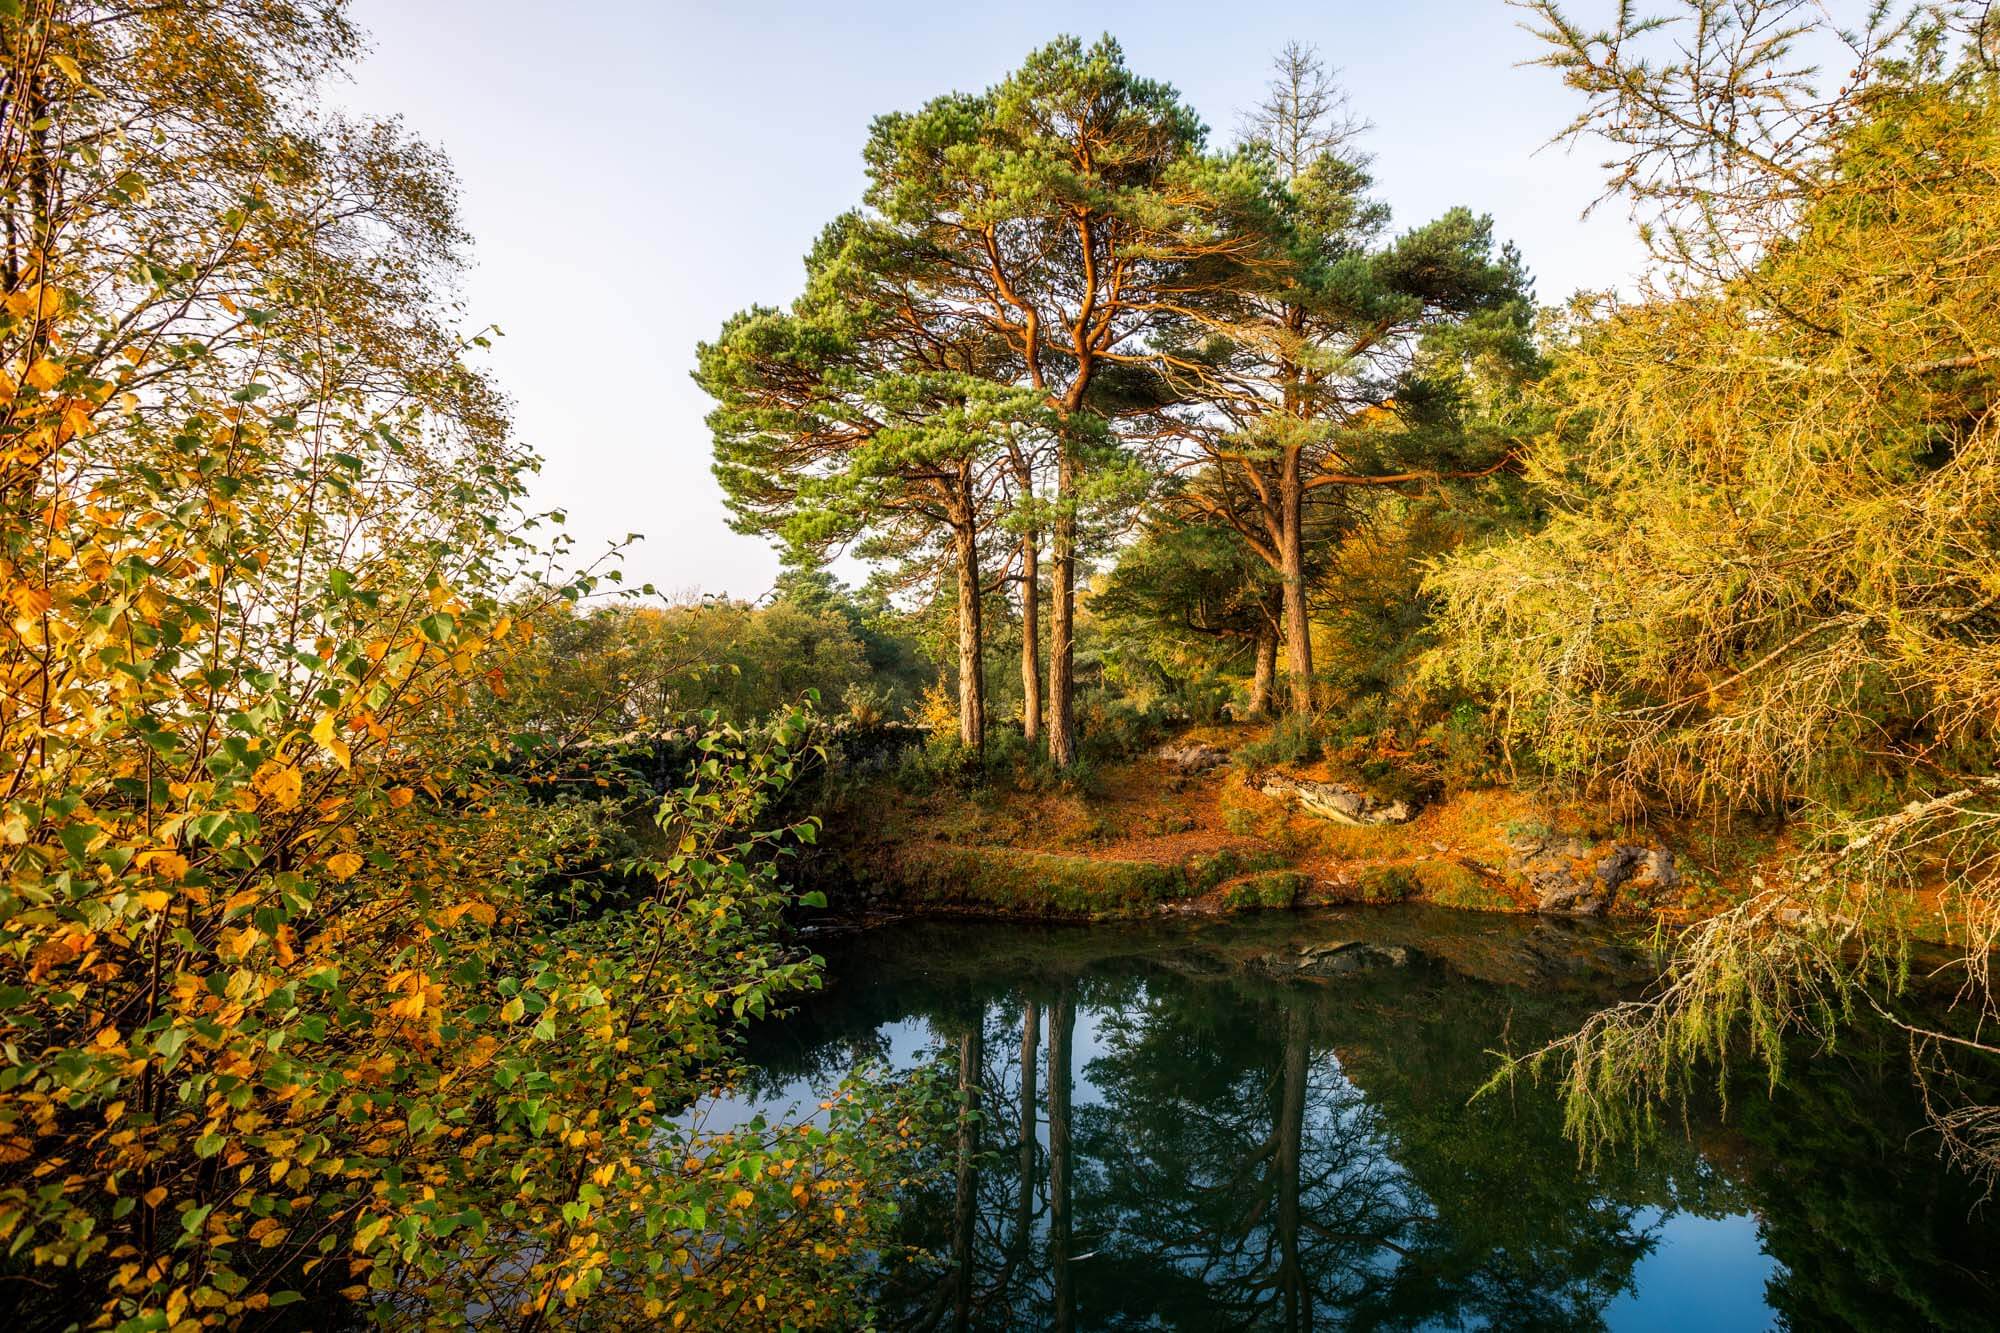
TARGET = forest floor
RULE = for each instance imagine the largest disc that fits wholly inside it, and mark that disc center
(1141, 838)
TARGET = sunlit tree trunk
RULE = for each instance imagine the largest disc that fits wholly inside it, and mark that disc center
(1031, 636)
(1292, 571)
(971, 665)
(1062, 617)
(1263, 681)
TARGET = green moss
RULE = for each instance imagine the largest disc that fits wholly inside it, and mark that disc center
(1012, 882)
(1445, 883)
(1385, 884)
(1272, 889)
(1205, 872)
(1521, 829)
(1451, 885)
(1239, 820)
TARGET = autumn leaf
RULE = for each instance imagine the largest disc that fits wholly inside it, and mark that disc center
(165, 862)
(282, 783)
(325, 737)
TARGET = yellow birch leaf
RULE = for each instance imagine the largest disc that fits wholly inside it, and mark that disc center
(282, 784)
(323, 734)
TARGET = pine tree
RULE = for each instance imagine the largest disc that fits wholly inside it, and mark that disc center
(862, 410)
(1067, 213)
(1346, 366)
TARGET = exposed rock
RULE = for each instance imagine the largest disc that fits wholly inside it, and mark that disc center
(1332, 800)
(1656, 870)
(1531, 848)
(1571, 878)
(1191, 759)
(1617, 867)
(1567, 895)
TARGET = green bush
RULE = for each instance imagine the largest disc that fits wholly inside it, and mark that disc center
(1294, 739)
(1114, 729)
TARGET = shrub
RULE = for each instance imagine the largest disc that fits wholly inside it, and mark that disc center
(1294, 739)
(1113, 730)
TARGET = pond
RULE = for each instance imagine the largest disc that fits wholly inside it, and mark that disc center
(1266, 1124)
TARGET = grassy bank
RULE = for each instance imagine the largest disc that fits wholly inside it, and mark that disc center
(1138, 838)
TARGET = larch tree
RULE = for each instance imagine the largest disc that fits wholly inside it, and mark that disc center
(1767, 581)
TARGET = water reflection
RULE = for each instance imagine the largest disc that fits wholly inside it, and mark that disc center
(1166, 1129)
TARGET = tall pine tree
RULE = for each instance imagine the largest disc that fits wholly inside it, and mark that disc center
(1067, 213)
(1343, 367)
(862, 410)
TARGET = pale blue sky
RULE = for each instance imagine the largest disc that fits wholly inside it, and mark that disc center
(633, 173)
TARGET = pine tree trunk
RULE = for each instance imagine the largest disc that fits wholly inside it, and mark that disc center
(971, 672)
(1031, 636)
(1062, 1021)
(1292, 1284)
(1292, 569)
(965, 1200)
(1264, 680)
(1062, 618)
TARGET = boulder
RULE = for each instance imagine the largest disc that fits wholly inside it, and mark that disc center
(1564, 894)
(1333, 800)
(1192, 759)
(1572, 879)
(1656, 870)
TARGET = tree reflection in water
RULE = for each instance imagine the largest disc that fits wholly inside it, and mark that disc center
(1165, 1136)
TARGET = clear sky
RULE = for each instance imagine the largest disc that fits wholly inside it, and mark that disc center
(633, 173)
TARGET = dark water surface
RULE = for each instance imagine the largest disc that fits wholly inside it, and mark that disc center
(1206, 1137)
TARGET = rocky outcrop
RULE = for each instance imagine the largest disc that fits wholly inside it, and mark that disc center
(1570, 877)
(1192, 758)
(1333, 800)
